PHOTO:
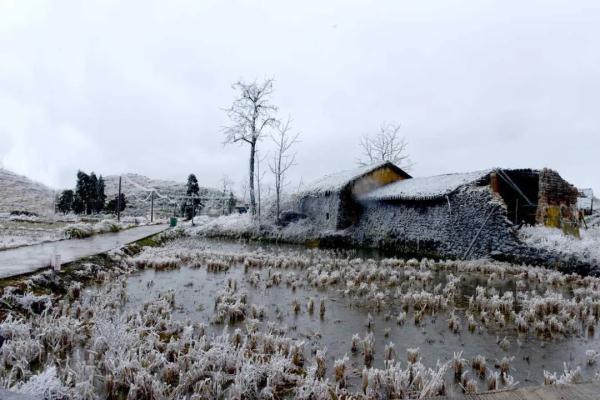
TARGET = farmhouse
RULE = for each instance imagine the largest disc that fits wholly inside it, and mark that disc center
(332, 201)
(462, 214)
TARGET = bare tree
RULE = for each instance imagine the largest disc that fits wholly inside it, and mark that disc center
(227, 184)
(259, 178)
(251, 113)
(243, 186)
(282, 160)
(385, 145)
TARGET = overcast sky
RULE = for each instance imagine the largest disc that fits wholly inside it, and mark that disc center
(139, 86)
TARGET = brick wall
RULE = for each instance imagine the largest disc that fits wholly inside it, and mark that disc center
(557, 199)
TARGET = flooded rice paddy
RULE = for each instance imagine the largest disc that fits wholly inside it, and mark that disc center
(348, 313)
(200, 318)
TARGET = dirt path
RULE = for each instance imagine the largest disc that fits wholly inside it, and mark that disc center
(24, 260)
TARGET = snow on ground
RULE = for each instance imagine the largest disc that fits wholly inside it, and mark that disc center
(236, 225)
(233, 224)
(587, 247)
(17, 231)
(594, 219)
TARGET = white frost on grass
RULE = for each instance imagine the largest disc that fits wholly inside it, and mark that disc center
(15, 233)
(45, 385)
(83, 230)
(586, 248)
(233, 223)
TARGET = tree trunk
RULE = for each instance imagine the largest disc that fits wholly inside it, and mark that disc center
(278, 221)
(252, 198)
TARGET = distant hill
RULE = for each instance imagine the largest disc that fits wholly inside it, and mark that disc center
(137, 189)
(17, 192)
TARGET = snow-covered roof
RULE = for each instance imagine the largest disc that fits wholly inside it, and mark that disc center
(337, 181)
(425, 188)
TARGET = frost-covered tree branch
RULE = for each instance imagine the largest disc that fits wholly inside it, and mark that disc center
(386, 145)
(251, 114)
(226, 184)
(283, 160)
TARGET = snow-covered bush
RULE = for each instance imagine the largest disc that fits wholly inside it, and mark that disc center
(586, 247)
(78, 231)
(82, 230)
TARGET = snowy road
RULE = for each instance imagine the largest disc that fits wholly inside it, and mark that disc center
(24, 260)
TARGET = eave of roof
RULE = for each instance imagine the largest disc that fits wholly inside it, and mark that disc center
(339, 180)
(425, 188)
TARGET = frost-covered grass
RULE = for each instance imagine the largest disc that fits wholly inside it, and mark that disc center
(233, 224)
(101, 345)
(145, 354)
(244, 225)
(82, 230)
(16, 233)
(586, 248)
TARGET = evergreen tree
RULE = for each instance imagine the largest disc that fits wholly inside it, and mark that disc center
(78, 206)
(65, 201)
(92, 192)
(111, 206)
(89, 194)
(100, 200)
(190, 207)
(81, 192)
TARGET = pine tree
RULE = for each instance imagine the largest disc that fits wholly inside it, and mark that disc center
(92, 194)
(193, 189)
(65, 201)
(100, 200)
(111, 206)
(78, 204)
(81, 192)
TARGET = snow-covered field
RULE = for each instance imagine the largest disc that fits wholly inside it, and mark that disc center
(197, 319)
(17, 231)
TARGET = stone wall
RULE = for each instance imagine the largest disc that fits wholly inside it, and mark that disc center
(439, 228)
(322, 209)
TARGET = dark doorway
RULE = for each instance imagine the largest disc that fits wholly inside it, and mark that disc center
(519, 190)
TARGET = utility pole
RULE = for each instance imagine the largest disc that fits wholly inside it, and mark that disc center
(152, 207)
(119, 202)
